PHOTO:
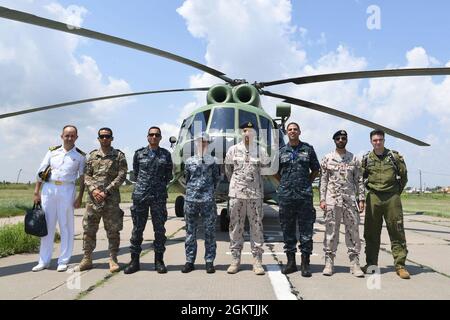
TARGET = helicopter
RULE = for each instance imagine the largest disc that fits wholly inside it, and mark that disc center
(228, 104)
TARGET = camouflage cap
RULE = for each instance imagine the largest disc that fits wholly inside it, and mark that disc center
(340, 133)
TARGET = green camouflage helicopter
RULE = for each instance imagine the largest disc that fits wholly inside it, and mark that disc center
(228, 105)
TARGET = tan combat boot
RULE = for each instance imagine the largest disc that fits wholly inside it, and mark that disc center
(257, 266)
(86, 263)
(329, 264)
(235, 264)
(403, 273)
(355, 268)
(113, 264)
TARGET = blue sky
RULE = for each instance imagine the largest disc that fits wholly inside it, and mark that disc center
(259, 40)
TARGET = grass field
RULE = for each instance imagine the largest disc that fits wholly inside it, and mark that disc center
(15, 199)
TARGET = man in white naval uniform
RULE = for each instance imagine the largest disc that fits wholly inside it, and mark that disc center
(58, 197)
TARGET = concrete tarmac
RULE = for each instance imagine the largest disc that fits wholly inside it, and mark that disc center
(428, 241)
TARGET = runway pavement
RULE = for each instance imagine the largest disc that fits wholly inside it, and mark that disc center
(428, 262)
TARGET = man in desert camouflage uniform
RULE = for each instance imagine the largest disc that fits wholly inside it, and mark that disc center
(341, 197)
(105, 172)
(202, 175)
(243, 166)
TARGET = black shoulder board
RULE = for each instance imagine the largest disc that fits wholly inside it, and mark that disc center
(54, 148)
(80, 152)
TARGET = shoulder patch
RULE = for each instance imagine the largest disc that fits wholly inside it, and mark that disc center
(80, 152)
(54, 148)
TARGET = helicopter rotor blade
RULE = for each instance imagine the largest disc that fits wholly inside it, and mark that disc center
(55, 25)
(346, 116)
(360, 75)
(70, 103)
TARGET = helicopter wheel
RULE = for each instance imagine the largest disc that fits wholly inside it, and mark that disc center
(224, 220)
(179, 206)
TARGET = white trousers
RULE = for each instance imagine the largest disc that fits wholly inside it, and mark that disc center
(57, 203)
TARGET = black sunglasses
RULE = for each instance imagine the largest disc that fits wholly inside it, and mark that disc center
(105, 136)
(154, 135)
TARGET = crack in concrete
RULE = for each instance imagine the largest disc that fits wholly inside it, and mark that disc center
(294, 290)
(101, 282)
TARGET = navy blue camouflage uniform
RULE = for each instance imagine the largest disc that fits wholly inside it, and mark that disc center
(202, 175)
(295, 196)
(153, 171)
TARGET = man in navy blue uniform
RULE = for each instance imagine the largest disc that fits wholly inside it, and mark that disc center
(202, 175)
(298, 169)
(152, 168)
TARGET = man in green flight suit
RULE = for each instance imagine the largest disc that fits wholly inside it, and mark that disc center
(385, 176)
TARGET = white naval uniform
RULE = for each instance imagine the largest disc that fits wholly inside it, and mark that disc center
(58, 197)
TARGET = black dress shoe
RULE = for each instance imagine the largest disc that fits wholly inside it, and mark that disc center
(210, 267)
(188, 267)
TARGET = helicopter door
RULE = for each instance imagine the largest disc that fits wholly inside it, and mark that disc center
(266, 133)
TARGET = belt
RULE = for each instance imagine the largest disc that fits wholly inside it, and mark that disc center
(60, 183)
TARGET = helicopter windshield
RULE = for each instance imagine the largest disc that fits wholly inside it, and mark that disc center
(200, 122)
(267, 127)
(245, 116)
(222, 120)
(184, 129)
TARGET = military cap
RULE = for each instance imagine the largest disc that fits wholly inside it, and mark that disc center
(340, 133)
(247, 124)
(203, 136)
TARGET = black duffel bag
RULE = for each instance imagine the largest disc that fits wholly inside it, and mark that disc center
(35, 223)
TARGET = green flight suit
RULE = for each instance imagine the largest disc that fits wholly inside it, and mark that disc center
(385, 184)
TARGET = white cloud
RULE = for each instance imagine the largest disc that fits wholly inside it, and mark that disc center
(41, 67)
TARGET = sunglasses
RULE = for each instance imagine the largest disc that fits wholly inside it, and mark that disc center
(341, 138)
(157, 135)
(105, 136)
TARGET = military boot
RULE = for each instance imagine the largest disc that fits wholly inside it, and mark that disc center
(403, 273)
(134, 265)
(113, 263)
(291, 265)
(257, 266)
(235, 264)
(306, 272)
(329, 265)
(160, 267)
(369, 269)
(355, 268)
(86, 262)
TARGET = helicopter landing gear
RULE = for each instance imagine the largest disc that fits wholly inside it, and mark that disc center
(224, 220)
(179, 206)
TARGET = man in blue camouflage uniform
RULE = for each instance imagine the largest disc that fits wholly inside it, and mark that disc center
(298, 169)
(202, 175)
(152, 167)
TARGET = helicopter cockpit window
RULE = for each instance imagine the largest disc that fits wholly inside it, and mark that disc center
(267, 127)
(222, 120)
(200, 123)
(184, 129)
(245, 116)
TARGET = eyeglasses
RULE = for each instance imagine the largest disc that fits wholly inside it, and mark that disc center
(341, 138)
(105, 136)
(157, 135)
